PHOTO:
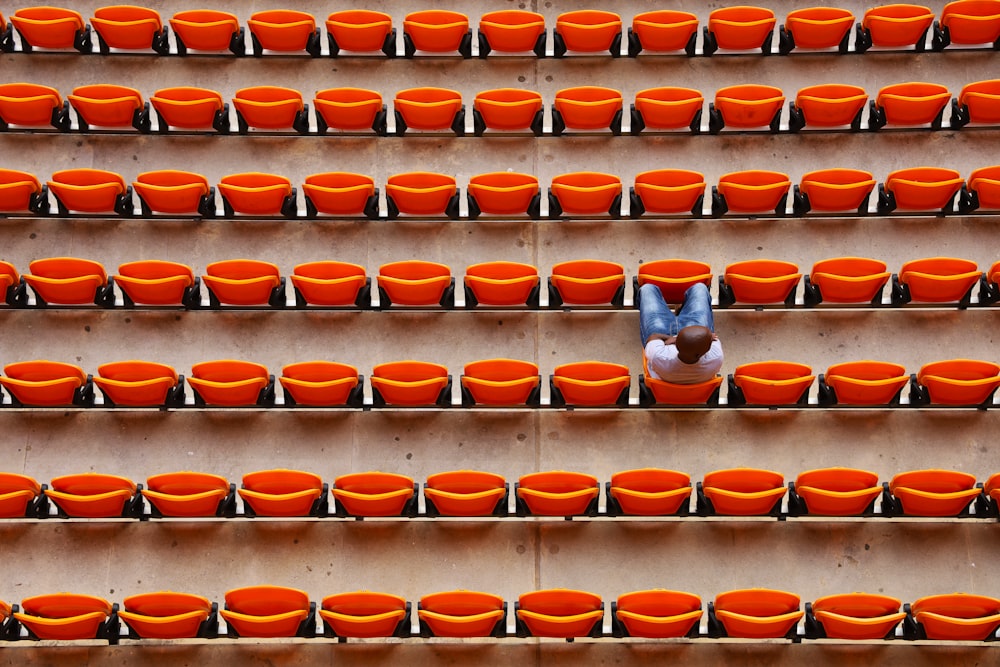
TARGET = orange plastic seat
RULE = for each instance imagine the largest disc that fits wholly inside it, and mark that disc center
(244, 282)
(374, 493)
(340, 193)
(511, 31)
(17, 496)
(559, 612)
(828, 105)
(284, 30)
(190, 108)
(834, 190)
(894, 26)
(500, 382)
(982, 191)
(282, 492)
(186, 494)
(422, 193)
(865, 382)
(670, 107)
(429, 109)
(747, 105)
(331, 283)
(321, 383)
(657, 613)
(139, 383)
(846, 280)
(908, 104)
(254, 193)
(741, 491)
(43, 383)
(360, 30)
(228, 382)
(67, 280)
(91, 494)
(411, 383)
(590, 383)
(587, 108)
(650, 491)
(958, 616)
(266, 611)
(959, 381)
(501, 284)
(816, 28)
(158, 283)
(588, 31)
(663, 30)
(556, 493)
(920, 189)
(462, 614)
(32, 105)
(21, 191)
(773, 382)
(756, 613)
(504, 193)
(12, 286)
(968, 22)
(934, 492)
(939, 279)
(350, 109)
(208, 30)
(65, 616)
(175, 192)
(109, 105)
(466, 493)
(668, 191)
(585, 193)
(414, 283)
(835, 491)
(51, 28)
(508, 109)
(365, 614)
(761, 281)
(991, 488)
(437, 31)
(271, 108)
(587, 282)
(166, 614)
(753, 191)
(130, 28)
(857, 615)
(91, 191)
(739, 28)
(674, 276)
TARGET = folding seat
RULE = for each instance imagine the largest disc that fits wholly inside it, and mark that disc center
(816, 28)
(978, 102)
(846, 280)
(557, 493)
(862, 383)
(982, 190)
(422, 193)
(936, 280)
(919, 189)
(21, 191)
(654, 391)
(587, 282)
(158, 283)
(94, 495)
(462, 614)
(770, 383)
(648, 492)
(330, 283)
(437, 31)
(282, 492)
(740, 492)
(500, 382)
(254, 193)
(370, 494)
(512, 31)
(13, 287)
(894, 26)
(91, 191)
(284, 30)
(587, 108)
(269, 611)
(989, 292)
(501, 284)
(465, 493)
(429, 109)
(140, 383)
(360, 30)
(754, 613)
(833, 492)
(559, 612)
(341, 193)
(208, 30)
(667, 108)
(667, 191)
(827, 105)
(110, 105)
(504, 193)
(739, 28)
(673, 277)
(833, 190)
(321, 383)
(759, 281)
(853, 616)
(411, 383)
(69, 616)
(590, 383)
(663, 30)
(230, 383)
(244, 282)
(52, 28)
(585, 193)
(271, 108)
(930, 493)
(47, 383)
(968, 22)
(746, 106)
(189, 494)
(956, 382)
(19, 496)
(365, 614)
(587, 31)
(752, 191)
(170, 615)
(350, 109)
(190, 109)
(908, 104)
(174, 192)
(69, 281)
(415, 283)
(954, 617)
(508, 109)
(130, 28)
(656, 613)
(32, 105)
(991, 495)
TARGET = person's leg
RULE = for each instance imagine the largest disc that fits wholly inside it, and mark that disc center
(697, 308)
(655, 316)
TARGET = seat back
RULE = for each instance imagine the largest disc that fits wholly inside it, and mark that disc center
(363, 614)
(359, 29)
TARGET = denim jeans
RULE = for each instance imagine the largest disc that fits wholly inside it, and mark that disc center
(655, 316)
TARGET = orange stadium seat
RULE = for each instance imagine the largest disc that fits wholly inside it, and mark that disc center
(932, 493)
(978, 102)
(668, 191)
(936, 280)
(190, 109)
(894, 26)
(369, 494)
(18, 495)
(231, 383)
(67, 616)
(462, 614)
(208, 30)
(505, 382)
(140, 383)
(758, 282)
(663, 30)
(919, 189)
(130, 28)
(956, 617)
(109, 105)
(21, 191)
(754, 613)
(12, 286)
(739, 28)
(991, 489)
(501, 284)
(46, 383)
(587, 108)
(254, 193)
(740, 492)
(350, 109)
(511, 31)
(504, 193)
(827, 105)
(833, 492)
(557, 493)
(982, 190)
(956, 382)
(282, 492)
(411, 383)
(590, 383)
(833, 190)
(52, 28)
(189, 494)
(158, 283)
(746, 106)
(340, 193)
(331, 283)
(32, 105)
(174, 192)
(587, 282)
(907, 104)
(862, 383)
(585, 193)
(854, 616)
(422, 193)
(271, 108)
(169, 615)
(770, 383)
(284, 30)
(648, 492)
(244, 282)
(360, 30)
(816, 28)
(365, 614)
(69, 281)
(968, 22)
(673, 277)
(752, 191)
(91, 191)
(846, 280)
(654, 391)
(465, 493)
(587, 31)
(559, 612)
(656, 613)
(321, 383)
(429, 109)
(415, 283)
(269, 611)
(94, 495)
(668, 108)
(508, 109)
(437, 31)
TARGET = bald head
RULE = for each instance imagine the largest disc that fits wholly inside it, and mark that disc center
(693, 342)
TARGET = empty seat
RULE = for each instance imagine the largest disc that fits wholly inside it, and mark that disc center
(968, 22)
(282, 492)
(894, 26)
(66, 616)
(45, 383)
(230, 383)
(429, 109)
(991, 489)
(415, 283)
(657, 613)
(958, 382)
(933, 492)
(32, 105)
(140, 383)
(857, 615)
(268, 611)
(437, 31)
(909, 104)
(51, 28)
(331, 283)
(504, 193)
(846, 280)
(465, 493)
(982, 191)
(739, 28)
(746, 106)
(13, 289)
(936, 280)
(667, 108)
(175, 192)
(674, 276)
(834, 492)
(816, 28)
(863, 383)
(557, 493)
(271, 108)
(411, 383)
(21, 191)
(254, 193)
(501, 284)
(109, 105)
(365, 614)
(827, 105)
(360, 30)
(833, 190)
(559, 612)
(244, 282)
(68, 280)
(668, 191)
(770, 383)
(208, 30)
(187, 494)
(341, 194)
(511, 31)
(367, 494)
(741, 492)
(590, 383)
(167, 615)
(663, 30)
(754, 613)
(462, 614)
(284, 30)
(500, 382)
(91, 191)
(190, 109)
(508, 109)
(321, 383)
(587, 108)
(94, 495)
(957, 616)
(130, 28)
(919, 189)
(585, 193)
(649, 491)
(158, 283)
(752, 191)
(422, 193)
(18, 495)
(759, 281)
(587, 282)
(588, 31)
(350, 109)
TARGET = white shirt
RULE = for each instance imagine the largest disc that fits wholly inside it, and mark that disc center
(664, 365)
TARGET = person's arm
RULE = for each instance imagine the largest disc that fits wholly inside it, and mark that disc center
(667, 340)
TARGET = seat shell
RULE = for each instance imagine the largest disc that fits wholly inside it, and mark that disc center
(64, 616)
(269, 107)
(669, 107)
(105, 104)
(87, 190)
(155, 282)
(503, 192)
(831, 104)
(658, 613)
(939, 279)
(588, 30)
(126, 26)
(282, 29)
(359, 30)
(16, 492)
(501, 283)
(461, 613)
(363, 614)
(982, 100)
(819, 27)
(227, 382)
(761, 281)
(591, 382)
(17, 189)
(959, 381)
(588, 107)
(837, 491)
(465, 492)
(242, 282)
(837, 189)
(934, 492)
(913, 103)
(754, 191)
(319, 383)
(958, 616)
(985, 182)
(421, 192)
(670, 190)
(651, 492)
(743, 491)
(339, 192)
(972, 21)
(773, 382)
(205, 29)
(328, 282)
(255, 193)
(512, 30)
(559, 612)
(48, 27)
(66, 280)
(373, 493)
(187, 107)
(43, 383)
(857, 615)
(428, 108)
(757, 613)
(409, 383)
(436, 30)
(266, 611)
(849, 279)
(91, 495)
(165, 614)
(136, 383)
(414, 282)
(749, 105)
(923, 188)
(557, 492)
(588, 281)
(28, 104)
(281, 492)
(740, 28)
(186, 493)
(866, 382)
(897, 25)
(664, 29)
(173, 192)
(675, 276)
(500, 381)
(586, 192)
(348, 108)
(508, 108)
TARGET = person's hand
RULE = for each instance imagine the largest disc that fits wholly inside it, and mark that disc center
(715, 336)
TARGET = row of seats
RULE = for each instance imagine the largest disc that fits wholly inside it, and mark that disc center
(586, 108)
(493, 382)
(838, 492)
(736, 28)
(675, 192)
(277, 611)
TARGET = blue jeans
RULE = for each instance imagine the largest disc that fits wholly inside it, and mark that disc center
(655, 316)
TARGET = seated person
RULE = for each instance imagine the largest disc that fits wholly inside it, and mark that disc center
(681, 348)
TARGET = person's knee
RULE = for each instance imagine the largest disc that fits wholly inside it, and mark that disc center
(648, 290)
(698, 291)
